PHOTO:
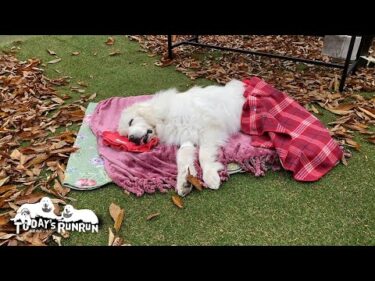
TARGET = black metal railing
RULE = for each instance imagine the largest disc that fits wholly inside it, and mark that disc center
(348, 66)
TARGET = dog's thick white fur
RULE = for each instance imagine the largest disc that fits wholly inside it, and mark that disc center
(203, 117)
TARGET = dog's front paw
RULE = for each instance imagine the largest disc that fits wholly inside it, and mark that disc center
(211, 178)
(183, 188)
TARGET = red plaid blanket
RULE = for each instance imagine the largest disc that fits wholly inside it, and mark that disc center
(275, 120)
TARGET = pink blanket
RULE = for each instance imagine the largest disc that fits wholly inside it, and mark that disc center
(156, 170)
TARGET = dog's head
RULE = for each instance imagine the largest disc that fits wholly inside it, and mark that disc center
(47, 205)
(68, 211)
(138, 123)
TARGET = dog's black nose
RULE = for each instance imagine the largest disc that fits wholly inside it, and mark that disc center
(134, 139)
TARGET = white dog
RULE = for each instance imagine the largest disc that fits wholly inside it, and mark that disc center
(203, 117)
(23, 216)
(70, 214)
(44, 209)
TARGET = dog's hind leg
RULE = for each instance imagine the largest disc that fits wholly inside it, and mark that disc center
(185, 163)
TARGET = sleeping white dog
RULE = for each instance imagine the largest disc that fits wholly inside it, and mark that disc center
(70, 214)
(200, 117)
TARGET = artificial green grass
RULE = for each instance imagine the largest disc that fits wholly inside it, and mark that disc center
(271, 210)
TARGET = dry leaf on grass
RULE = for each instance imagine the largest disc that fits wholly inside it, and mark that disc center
(62, 191)
(4, 219)
(82, 84)
(110, 41)
(194, 181)
(65, 234)
(164, 62)
(76, 53)
(118, 241)
(93, 96)
(111, 237)
(37, 160)
(52, 53)
(57, 100)
(57, 239)
(117, 215)
(6, 188)
(177, 200)
(5, 236)
(3, 181)
(29, 199)
(313, 108)
(54, 61)
(16, 155)
(367, 112)
(353, 143)
(152, 216)
(115, 53)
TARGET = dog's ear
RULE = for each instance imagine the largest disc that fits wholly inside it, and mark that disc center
(150, 115)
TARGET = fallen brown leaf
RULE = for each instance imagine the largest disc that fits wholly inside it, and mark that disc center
(62, 191)
(194, 181)
(37, 160)
(12, 242)
(6, 188)
(110, 41)
(164, 63)
(93, 96)
(4, 219)
(54, 61)
(117, 215)
(65, 234)
(150, 217)
(5, 236)
(338, 111)
(16, 155)
(64, 150)
(29, 199)
(313, 108)
(177, 200)
(4, 181)
(111, 237)
(52, 53)
(118, 241)
(115, 53)
(353, 143)
(57, 239)
(58, 100)
(367, 112)
(343, 160)
(83, 84)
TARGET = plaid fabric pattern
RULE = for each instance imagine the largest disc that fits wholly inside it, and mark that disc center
(275, 120)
